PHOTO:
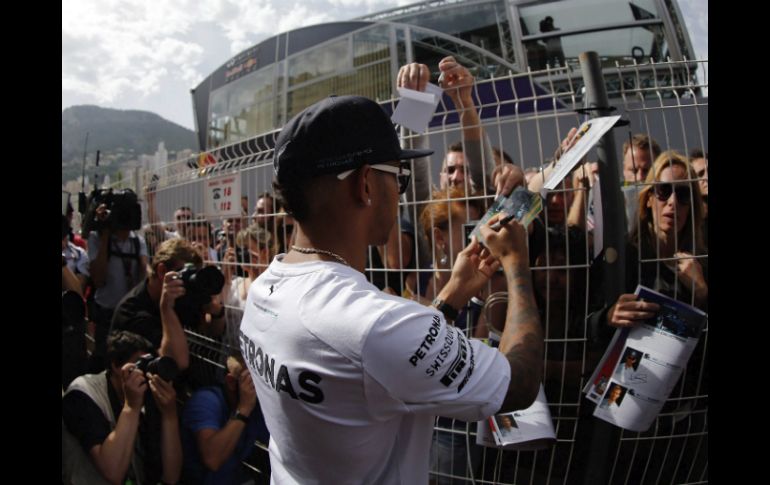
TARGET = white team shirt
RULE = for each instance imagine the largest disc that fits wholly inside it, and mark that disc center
(350, 378)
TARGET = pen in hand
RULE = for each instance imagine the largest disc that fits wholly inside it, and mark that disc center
(505, 220)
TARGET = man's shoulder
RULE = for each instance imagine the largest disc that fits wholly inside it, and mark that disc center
(209, 397)
(137, 299)
(136, 304)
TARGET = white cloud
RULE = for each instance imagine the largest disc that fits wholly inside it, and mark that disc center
(125, 53)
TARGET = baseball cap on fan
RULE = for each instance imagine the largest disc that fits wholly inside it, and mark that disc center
(336, 134)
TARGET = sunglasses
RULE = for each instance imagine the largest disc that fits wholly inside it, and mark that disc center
(664, 191)
(402, 173)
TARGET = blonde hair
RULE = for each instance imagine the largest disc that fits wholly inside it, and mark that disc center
(172, 251)
(259, 235)
(691, 236)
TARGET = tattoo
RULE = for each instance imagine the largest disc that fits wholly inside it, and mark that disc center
(526, 360)
(523, 337)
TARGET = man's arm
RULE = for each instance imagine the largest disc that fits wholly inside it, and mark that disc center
(522, 338)
(98, 265)
(98, 244)
(217, 446)
(171, 445)
(458, 85)
(582, 181)
(113, 457)
(416, 76)
(173, 341)
(70, 282)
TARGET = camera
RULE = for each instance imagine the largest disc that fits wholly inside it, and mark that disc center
(163, 366)
(200, 285)
(124, 211)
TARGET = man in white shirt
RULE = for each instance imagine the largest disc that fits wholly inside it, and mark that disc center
(350, 378)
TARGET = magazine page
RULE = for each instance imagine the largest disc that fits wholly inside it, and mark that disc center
(526, 429)
(597, 384)
(588, 135)
(642, 365)
(521, 204)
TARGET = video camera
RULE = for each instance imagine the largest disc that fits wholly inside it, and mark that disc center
(200, 285)
(163, 366)
(124, 211)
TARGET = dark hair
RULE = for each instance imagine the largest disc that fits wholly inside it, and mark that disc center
(292, 197)
(697, 153)
(644, 142)
(121, 345)
(455, 147)
(264, 195)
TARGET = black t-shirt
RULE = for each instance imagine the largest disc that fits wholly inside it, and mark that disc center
(137, 313)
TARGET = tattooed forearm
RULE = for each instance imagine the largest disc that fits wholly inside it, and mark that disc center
(522, 340)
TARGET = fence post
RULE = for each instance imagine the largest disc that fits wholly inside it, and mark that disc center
(604, 437)
(613, 203)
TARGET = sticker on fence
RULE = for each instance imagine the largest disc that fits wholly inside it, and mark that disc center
(222, 195)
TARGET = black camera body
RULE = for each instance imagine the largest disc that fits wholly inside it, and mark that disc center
(123, 206)
(163, 366)
(200, 285)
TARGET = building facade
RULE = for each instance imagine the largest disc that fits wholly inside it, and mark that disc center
(259, 89)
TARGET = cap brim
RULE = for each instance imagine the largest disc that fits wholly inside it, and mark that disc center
(409, 154)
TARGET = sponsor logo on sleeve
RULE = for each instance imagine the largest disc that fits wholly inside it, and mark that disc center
(427, 342)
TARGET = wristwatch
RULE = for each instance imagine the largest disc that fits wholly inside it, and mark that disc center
(241, 417)
(444, 307)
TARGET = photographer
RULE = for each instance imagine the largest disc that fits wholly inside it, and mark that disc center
(219, 427)
(104, 413)
(152, 309)
(118, 258)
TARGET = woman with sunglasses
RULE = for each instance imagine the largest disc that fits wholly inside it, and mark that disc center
(666, 249)
(667, 253)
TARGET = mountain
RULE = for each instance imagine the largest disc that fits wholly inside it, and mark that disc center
(112, 130)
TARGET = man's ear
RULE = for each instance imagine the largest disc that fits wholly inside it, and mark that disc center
(363, 188)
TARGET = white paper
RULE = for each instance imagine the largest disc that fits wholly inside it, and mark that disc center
(589, 135)
(531, 428)
(642, 365)
(631, 197)
(416, 108)
(595, 204)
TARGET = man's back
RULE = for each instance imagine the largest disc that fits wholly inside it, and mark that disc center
(349, 378)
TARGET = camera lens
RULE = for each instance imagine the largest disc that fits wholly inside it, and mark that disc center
(165, 367)
(208, 280)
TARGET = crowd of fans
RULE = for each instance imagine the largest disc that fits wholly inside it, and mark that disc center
(188, 412)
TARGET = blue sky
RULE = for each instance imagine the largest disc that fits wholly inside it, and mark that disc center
(148, 54)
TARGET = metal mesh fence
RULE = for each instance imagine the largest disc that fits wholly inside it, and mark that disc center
(526, 116)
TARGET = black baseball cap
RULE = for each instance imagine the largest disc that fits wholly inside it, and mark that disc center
(336, 134)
